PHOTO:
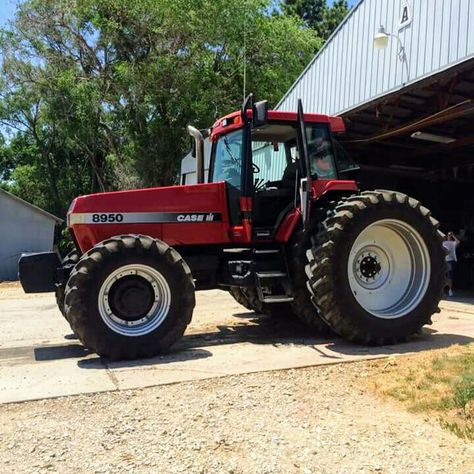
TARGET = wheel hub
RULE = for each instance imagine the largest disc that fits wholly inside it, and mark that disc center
(389, 268)
(131, 297)
(134, 300)
(369, 267)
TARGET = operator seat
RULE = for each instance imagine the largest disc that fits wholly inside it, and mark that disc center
(289, 175)
(269, 203)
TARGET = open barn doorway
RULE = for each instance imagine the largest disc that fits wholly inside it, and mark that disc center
(420, 140)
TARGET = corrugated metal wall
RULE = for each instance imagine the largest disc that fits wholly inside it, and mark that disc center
(349, 71)
(23, 230)
(270, 162)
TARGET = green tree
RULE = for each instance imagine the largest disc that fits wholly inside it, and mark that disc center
(317, 14)
(99, 92)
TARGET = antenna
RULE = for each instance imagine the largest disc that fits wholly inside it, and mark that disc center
(245, 51)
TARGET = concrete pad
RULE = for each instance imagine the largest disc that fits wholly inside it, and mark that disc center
(246, 357)
(31, 321)
(52, 379)
(38, 359)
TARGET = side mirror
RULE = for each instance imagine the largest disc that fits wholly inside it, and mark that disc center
(260, 113)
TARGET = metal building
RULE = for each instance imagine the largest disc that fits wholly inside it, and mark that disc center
(188, 164)
(23, 228)
(348, 71)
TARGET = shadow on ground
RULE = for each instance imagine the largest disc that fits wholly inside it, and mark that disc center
(252, 328)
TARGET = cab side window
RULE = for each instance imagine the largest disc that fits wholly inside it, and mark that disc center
(320, 151)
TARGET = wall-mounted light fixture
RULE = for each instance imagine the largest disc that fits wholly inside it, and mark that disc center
(381, 42)
(431, 137)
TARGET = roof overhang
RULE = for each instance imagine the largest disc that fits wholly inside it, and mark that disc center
(384, 131)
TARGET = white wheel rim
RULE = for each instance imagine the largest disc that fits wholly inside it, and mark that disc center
(389, 268)
(147, 322)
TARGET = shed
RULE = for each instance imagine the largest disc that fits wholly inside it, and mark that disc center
(23, 228)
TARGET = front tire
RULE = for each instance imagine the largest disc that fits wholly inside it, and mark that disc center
(247, 299)
(130, 297)
(69, 261)
(377, 270)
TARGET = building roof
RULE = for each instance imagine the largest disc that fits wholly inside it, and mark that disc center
(318, 54)
(31, 206)
(348, 72)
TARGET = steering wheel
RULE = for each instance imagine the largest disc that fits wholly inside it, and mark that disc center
(255, 168)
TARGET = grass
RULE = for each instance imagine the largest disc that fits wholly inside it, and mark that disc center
(439, 384)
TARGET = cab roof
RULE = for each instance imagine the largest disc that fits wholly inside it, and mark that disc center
(234, 121)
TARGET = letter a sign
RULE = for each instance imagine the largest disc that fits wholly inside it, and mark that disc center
(405, 16)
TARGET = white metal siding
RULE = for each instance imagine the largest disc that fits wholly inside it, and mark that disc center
(188, 165)
(23, 229)
(271, 163)
(349, 71)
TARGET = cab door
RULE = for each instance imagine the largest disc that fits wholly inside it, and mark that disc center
(228, 164)
(305, 184)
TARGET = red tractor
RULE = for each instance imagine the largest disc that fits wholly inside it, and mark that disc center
(275, 224)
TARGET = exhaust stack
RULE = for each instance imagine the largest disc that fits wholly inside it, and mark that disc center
(199, 139)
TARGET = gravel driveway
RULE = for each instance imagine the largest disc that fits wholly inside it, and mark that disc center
(307, 420)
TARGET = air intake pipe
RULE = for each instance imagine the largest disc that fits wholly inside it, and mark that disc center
(199, 140)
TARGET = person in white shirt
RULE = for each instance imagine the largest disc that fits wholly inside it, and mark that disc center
(450, 244)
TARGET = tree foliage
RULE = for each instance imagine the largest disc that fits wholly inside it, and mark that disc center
(96, 94)
(317, 14)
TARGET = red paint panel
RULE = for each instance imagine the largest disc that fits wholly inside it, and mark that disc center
(288, 225)
(322, 186)
(198, 198)
(88, 235)
(196, 233)
(245, 204)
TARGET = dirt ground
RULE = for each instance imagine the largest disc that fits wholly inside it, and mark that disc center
(311, 420)
(297, 421)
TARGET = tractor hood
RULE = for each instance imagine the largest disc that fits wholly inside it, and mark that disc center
(159, 212)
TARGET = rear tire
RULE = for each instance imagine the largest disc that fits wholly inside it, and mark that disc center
(377, 270)
(130, 297)
(302, 306)
(69, 260)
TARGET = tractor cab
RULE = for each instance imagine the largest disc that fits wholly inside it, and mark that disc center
(269, 160)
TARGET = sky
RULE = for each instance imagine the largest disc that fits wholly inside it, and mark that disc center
(7, 10)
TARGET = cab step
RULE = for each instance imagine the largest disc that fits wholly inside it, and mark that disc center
(271, 274)
(277, 299)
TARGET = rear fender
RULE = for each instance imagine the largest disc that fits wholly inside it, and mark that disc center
(321, 190)
(321, 187)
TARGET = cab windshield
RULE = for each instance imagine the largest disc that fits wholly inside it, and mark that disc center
(228, 159)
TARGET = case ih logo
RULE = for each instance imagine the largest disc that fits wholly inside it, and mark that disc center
(196, 217)
(143, 217)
